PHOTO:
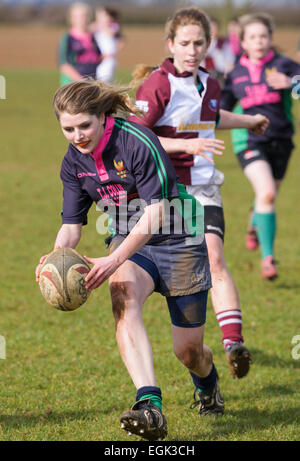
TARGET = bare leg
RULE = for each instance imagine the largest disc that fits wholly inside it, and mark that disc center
(223, 292)
(130, 285)
(265, 187)
(226, 304)
(190, 350)
(197, 357)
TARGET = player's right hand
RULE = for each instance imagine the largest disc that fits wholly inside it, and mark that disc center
(103, 268)
(39, 266)
(259, 124)
(202, 146)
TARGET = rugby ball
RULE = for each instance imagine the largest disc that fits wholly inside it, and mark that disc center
(62, 277)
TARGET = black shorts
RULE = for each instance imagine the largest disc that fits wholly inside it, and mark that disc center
(214, 222)
(277, 153)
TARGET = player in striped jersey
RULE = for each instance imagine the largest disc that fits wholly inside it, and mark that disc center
(157, 241)
(181, 102)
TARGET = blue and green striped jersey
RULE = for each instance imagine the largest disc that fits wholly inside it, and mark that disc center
(127, 171)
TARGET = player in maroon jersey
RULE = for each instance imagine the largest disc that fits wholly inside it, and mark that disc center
(181, 102)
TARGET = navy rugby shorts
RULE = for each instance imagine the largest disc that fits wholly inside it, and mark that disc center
(180, 271)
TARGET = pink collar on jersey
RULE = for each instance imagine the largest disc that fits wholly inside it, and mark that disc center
(85, 37)
(97, 153)
(256, 69)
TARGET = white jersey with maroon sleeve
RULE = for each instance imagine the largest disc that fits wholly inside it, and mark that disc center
(174, 107)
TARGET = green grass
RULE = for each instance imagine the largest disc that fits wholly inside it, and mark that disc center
(63, 378)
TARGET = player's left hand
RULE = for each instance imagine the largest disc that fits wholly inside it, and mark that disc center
(102, 270)
(278, 81)
(259, 124)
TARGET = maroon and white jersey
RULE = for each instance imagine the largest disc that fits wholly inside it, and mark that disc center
(176, 108)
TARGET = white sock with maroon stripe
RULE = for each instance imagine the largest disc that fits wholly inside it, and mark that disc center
(230, 322)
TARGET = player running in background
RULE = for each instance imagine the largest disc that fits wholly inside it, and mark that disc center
(219, 58)
(109, 39)
(234, 37)
(79, 54)
(181, 105)
(262, 81)
(123, 167)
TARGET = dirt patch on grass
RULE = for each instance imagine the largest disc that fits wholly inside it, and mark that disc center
(35, 47)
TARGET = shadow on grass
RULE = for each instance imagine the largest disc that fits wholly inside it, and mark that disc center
(276, 390)
(235, 423)
(287, 286)
(255, 420)
(245, 421)
(28, 418)
(271, 360)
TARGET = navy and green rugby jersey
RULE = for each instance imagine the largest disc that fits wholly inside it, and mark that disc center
(127, 171)
(246, 84)
(82, 52)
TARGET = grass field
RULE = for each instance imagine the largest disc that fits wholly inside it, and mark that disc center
(63, 378)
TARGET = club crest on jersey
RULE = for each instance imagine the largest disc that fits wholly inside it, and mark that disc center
(213, 104)
(119, 165)
(271, 71)
(121, 171)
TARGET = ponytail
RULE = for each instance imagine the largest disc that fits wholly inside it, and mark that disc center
(140, 73)
(93, 97)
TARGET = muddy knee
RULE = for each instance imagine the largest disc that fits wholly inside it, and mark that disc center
(268, 198)
(120, 295)
(190, 356)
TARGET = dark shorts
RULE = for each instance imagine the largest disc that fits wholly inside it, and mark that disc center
(188, 311)
(214, 222)
(277, 153)
(178, 266)
(180, 272)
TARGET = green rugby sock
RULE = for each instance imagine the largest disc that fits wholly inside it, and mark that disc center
(150, 392)
(266, 230)
(253, 223)
(154, 399)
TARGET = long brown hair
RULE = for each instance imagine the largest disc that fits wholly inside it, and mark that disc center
(185, 17)
(92, 97)
(181, 17)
